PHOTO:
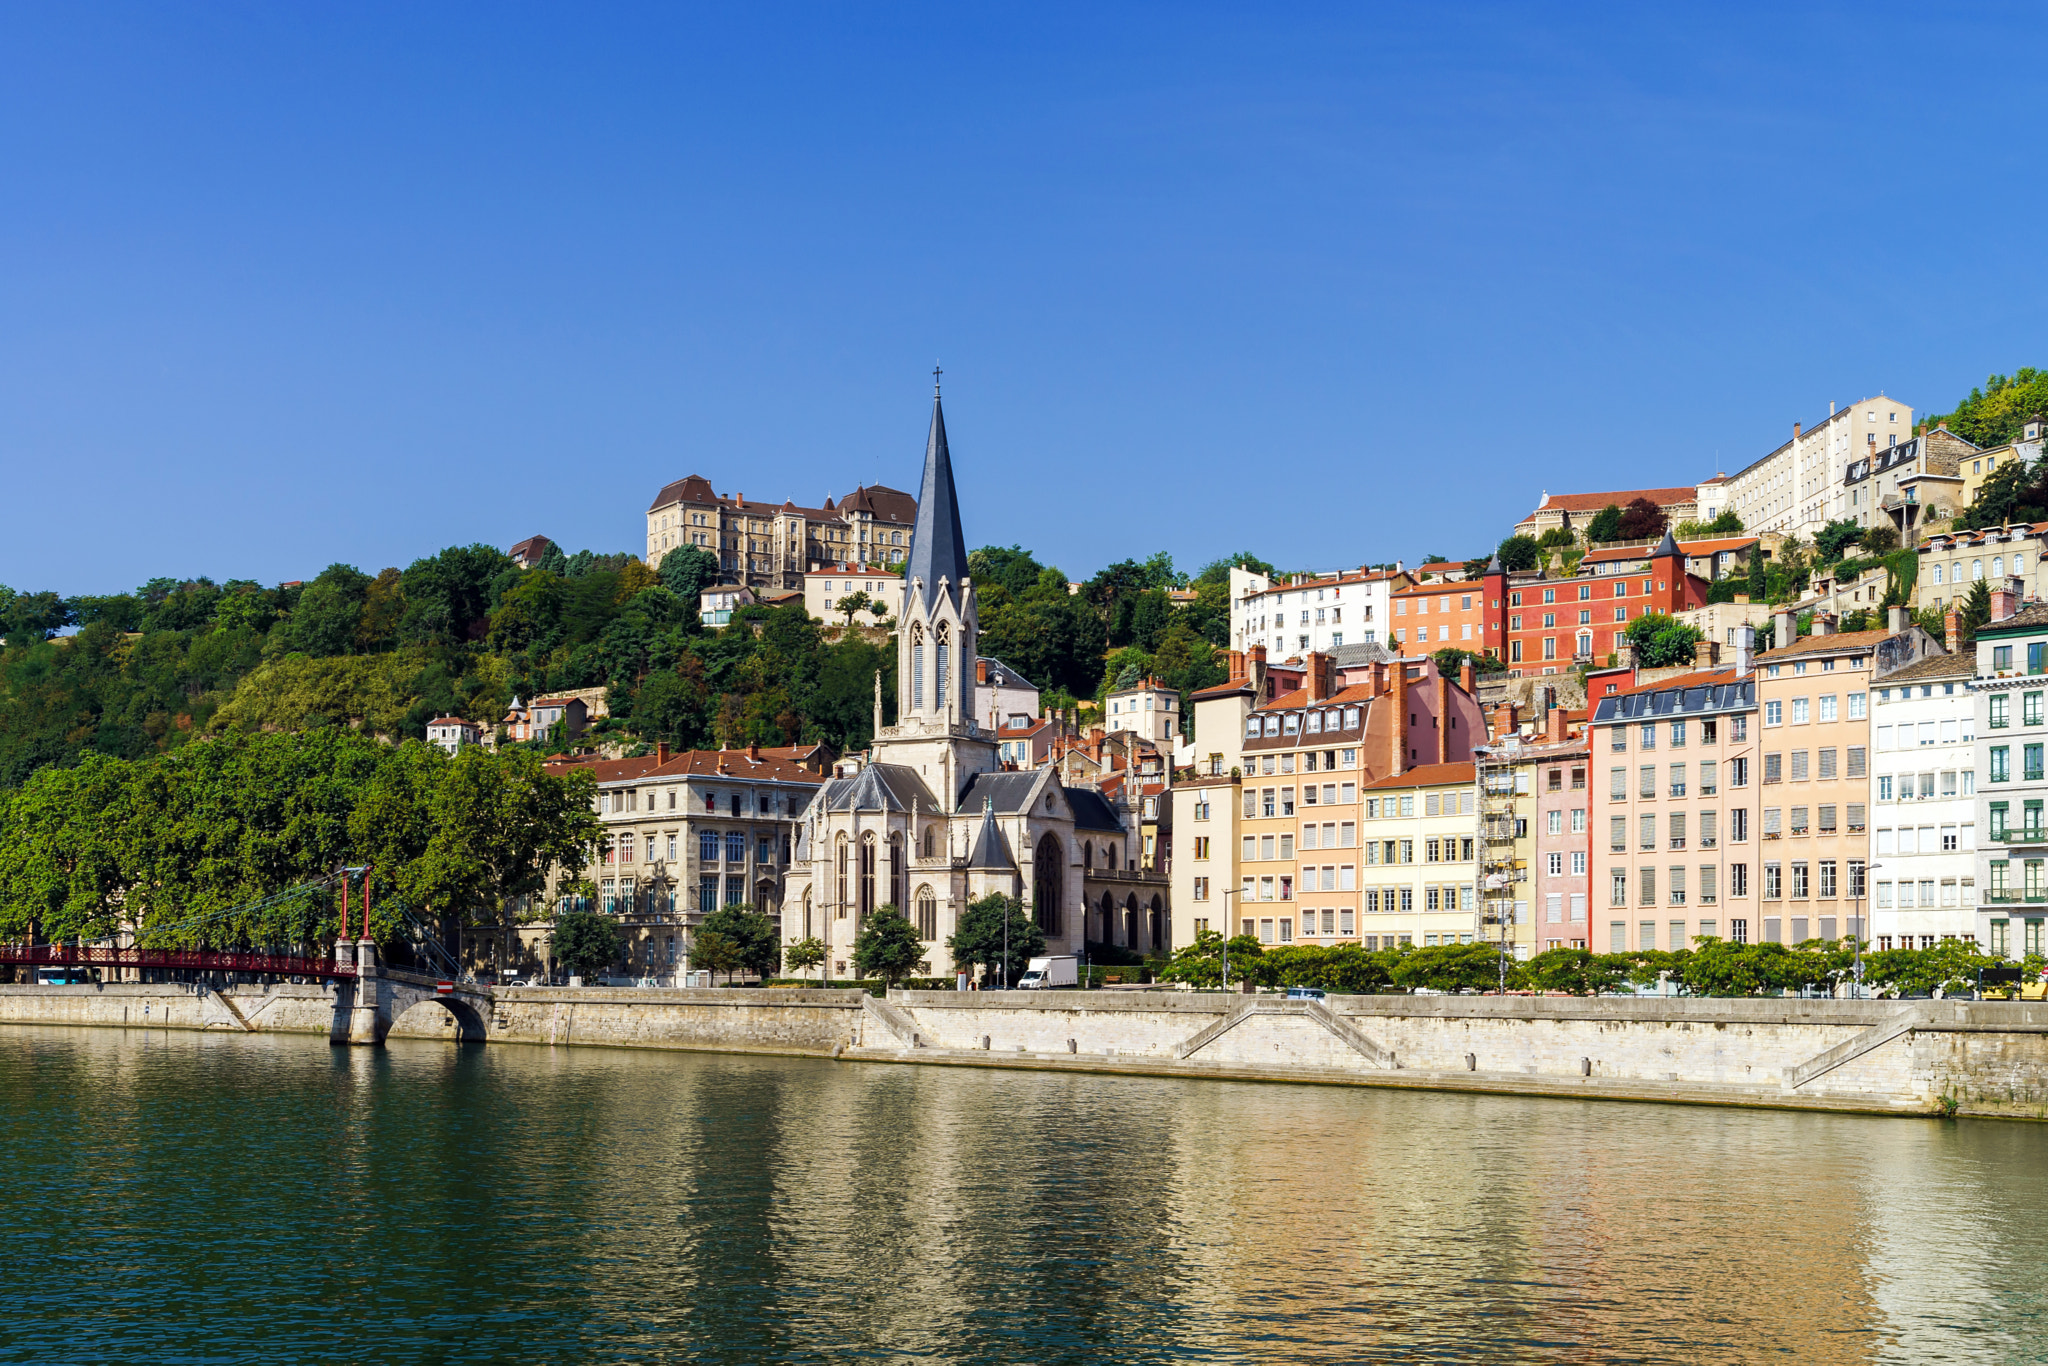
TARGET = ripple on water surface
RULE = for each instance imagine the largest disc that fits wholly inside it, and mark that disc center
(186, 1198)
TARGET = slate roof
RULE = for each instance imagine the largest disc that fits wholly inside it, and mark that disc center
(1692, 695)
(1011, 792)
(1091, 812)
(938, 550)
(878, 787)
(1934, 669)
(991, 850)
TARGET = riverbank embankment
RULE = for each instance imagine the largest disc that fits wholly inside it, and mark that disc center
(1888, 1057)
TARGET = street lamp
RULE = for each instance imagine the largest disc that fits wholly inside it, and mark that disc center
(1226, 894)
(1861, 928)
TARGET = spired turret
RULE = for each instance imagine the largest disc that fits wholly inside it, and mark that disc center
(937, 634)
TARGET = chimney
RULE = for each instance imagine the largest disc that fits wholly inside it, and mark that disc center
(1895, 620)
(1823, 623)
(1783, 621)
(2004, 601)
(754, 749)
(1952, 630)
(1795, 431)
(1237, 666)
(1705, 653)
(1745, 647)
(1315, 678)
(1554, 725)
(1400, 727)
(660, 753)
(980, 670)
(1467, 677)
(1442, 725)
(1742, 599)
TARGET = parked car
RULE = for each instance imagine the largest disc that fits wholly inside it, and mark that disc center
(1304, 993)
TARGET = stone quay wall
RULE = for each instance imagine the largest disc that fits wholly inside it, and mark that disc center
(1894, 1057)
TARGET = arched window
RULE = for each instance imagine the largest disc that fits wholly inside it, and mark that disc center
(1109, 854)
(1087, 853)
(927, 915)
(810, 931)
(1156, 928)
(917, 668)
(1048, 878)
(867, 878)
(839, 900)
(942, 676)
(928, 840)
(896, 872)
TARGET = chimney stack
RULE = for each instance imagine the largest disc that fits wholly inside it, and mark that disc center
(1467, 676)
(1795, 431)
(660, 753)
(1554, 726)
(2004, 600)
(1745, 648)
(980, 670)
(1315, 678)
(1705, 653)
(1237, 666)
(1823, 623)
(1895, 620)
(1399, 730)
(754, 749)
(1442, 722)
(1952, 630)
(1786, 626)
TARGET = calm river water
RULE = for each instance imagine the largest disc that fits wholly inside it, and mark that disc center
(178, 1198)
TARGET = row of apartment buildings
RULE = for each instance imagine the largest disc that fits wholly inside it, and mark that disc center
(1874, 783)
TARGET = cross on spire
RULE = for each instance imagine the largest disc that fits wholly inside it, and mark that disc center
(936, 372)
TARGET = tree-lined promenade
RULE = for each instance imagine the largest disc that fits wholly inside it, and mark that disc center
(192, 848)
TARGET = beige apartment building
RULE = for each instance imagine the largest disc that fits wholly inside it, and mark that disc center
(1800, 487)
(1673, 806)
(773, 545)
(1952, 561)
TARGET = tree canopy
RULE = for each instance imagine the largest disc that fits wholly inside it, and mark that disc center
(1996, 412)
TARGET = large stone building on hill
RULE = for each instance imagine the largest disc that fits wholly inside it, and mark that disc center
(930, 820)
(773, 545)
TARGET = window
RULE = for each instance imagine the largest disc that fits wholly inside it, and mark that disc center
(1617, 887)
(1774, 713)
(1617, 834)
(2000, 717)
(1678, 780)
(2001, 764)
(1798, 711)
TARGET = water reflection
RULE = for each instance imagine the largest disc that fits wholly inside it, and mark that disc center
(244, 1199)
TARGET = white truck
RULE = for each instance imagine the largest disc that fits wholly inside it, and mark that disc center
(1059, 970)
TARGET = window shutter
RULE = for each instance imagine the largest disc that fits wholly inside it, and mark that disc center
(1856, 761)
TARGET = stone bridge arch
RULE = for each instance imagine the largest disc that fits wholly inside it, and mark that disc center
(366, 1009)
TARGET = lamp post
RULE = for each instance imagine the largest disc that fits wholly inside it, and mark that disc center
(1226, 894)
(1861, 928)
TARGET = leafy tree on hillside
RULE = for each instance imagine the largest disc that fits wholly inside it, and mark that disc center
(1833, 541)
(1995, 413)
(1661, 641)
(1606, 524)
(687, 571)
(1518, 553)
(1641, 520)
(1012, 567)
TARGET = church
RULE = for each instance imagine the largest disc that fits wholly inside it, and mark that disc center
(930, 820)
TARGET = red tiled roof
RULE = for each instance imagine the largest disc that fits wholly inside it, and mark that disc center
(1427, 775)
(1594, 502)
(1642, 552)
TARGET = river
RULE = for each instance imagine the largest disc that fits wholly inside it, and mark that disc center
(174, 1197)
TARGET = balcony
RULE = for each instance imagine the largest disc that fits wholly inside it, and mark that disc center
(2016, 898)
(2026, 834)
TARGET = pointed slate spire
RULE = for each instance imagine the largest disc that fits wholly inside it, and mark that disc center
(937, 549)
(1493, 565)
(991, 850)
(1666, 547)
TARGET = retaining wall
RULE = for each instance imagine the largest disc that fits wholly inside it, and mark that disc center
(1986, 1058)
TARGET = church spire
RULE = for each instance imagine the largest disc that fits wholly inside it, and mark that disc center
(937, 549)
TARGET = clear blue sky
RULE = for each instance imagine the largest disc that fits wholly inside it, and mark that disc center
(288, 284)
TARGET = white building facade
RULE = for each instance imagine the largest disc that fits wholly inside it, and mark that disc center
(1923, 816)
(2012, 736)
(1311, 613)
(1800, 487)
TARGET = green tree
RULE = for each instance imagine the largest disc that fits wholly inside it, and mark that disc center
(586, 943)
(1518, 553)
(1833, 541)
(1759, 581)
(1995, 413)
(752, 936)
(1975, 613)
(1606, 525)
(887, 946)
(1575, 972)
(1454, 967)
(1641, 520)
(1199, 964)
(982, 935)
(713, 952)
(687, 571)
(806, 954)
(1661, 641)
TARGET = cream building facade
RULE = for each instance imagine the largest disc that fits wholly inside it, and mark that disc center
(1311, 613)
(1800, 487)
(773, 545)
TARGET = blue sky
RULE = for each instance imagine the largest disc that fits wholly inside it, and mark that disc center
(287, 284)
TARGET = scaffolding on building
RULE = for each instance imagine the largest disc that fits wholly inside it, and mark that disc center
(1500, 827)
